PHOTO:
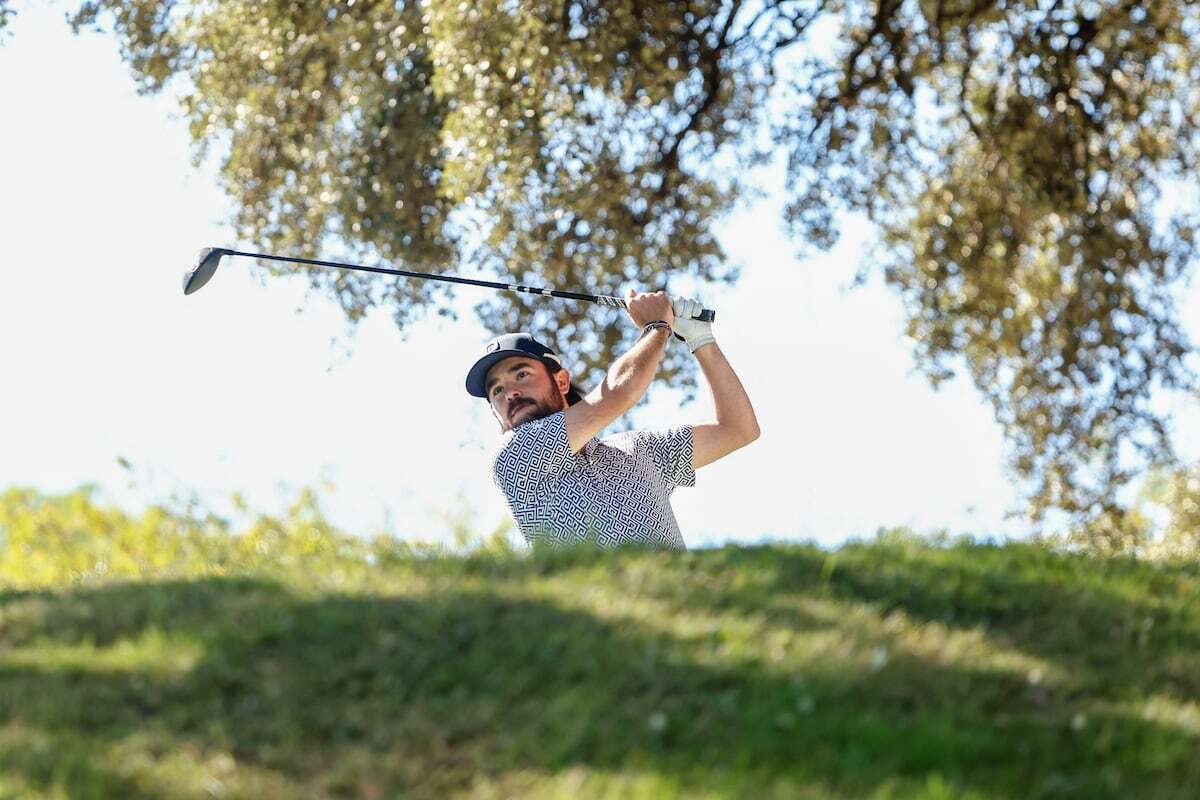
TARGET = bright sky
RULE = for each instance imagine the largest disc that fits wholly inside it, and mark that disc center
(233, 390)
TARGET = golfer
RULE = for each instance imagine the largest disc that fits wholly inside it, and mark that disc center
(564, 485)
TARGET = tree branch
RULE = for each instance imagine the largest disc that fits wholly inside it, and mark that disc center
(669, 160)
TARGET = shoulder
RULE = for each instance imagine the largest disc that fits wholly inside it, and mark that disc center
(671, 453)
(649, 441)
(625, 440)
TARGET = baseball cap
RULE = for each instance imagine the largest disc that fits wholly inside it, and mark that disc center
(502, 347)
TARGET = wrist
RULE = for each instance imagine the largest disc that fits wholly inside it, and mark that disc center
(697, 342)
(656, 325)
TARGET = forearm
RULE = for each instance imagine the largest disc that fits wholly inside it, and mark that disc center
(631, 374)
(730, 401)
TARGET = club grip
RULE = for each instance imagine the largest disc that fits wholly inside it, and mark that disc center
(706, 315)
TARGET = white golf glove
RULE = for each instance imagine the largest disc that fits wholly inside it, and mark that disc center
(693, 331)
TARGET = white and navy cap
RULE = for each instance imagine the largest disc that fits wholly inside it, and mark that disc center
(507, 346)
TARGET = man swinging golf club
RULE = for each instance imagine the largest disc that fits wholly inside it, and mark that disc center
(565, 486)
(562, 484)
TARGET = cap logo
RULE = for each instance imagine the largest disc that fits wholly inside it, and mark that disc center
(492, 346)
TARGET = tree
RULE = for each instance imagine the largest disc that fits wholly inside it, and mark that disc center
(6, 15)
(1012, 154)
(1175, 493)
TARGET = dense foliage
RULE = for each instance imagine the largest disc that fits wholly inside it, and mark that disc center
(1176, 494)
(162, 655)
(1013, 154)
(50, 540)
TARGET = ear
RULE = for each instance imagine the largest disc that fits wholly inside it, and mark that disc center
(562, 379)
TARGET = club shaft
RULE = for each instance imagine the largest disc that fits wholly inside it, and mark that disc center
(604, 300)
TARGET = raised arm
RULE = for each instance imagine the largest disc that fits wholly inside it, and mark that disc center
(629, 376)
(735, 426)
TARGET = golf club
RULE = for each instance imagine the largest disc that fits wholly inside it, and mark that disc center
(210, 257)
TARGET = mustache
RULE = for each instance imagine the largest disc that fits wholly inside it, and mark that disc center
(517, 406)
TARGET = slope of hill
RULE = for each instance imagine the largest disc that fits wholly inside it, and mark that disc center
(894, 668)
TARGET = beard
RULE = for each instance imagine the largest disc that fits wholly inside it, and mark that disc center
(532, 410)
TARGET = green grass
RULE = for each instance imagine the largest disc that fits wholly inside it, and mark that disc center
(890, 669)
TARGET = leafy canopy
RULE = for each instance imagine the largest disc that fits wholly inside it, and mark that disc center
(6, 14)
(1013, 154)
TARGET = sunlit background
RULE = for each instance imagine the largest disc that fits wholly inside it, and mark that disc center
(113, 377)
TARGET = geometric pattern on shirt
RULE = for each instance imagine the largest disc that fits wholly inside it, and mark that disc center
(615, 491)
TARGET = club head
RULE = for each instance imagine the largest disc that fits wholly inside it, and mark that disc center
(206, 264)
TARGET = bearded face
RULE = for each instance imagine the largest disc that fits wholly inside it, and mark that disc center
(520, 390)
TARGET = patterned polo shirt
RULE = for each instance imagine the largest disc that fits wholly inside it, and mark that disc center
(614, 491)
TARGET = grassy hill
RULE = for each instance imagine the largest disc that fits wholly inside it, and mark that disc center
(894, 668)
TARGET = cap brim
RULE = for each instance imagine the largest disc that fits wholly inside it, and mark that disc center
(478, 373)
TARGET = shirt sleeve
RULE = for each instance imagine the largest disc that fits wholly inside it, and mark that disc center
(671, 453)
(531, 454)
